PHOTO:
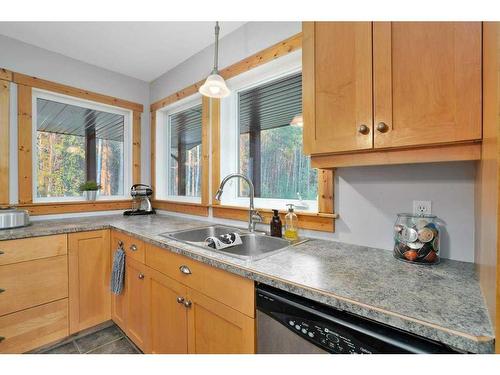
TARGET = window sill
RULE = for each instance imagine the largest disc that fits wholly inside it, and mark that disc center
(307, 220)
(52, 208)
(188, 208)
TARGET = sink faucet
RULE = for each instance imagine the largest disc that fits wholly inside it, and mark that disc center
(253, 215)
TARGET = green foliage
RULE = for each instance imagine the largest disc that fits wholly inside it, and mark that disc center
(90, 186)
(285, 171)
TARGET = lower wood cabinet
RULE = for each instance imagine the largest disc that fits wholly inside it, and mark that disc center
(214, 328)
(167, 315)
(89, 279)
(182, 319)
(136, 302)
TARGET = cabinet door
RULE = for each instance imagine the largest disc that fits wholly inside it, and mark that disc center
(89, 278)
(427, 82)
(118, 302)
(136, 302)
(167, 315)
(337, 86)
(215, 328)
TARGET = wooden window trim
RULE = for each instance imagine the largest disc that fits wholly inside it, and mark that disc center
(25, 158)
(4, 139)
(324, 220)
(5, 75)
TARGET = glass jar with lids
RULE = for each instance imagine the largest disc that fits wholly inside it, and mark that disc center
(416, 238)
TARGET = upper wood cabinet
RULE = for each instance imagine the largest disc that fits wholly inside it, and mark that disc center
(386, 85)
(89, 275)
(337, 86)
(427, 82)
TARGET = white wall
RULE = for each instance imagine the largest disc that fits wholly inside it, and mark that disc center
(241, 43)
(27, 59)
(368, 199)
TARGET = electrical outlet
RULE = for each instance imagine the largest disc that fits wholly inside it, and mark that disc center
(422, 207)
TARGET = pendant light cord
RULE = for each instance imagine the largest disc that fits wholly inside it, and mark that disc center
(216, 53)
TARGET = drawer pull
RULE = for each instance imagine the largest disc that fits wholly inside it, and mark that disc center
(187, 304)
(382, 127)
(133, 247)
(1, 252)
(141, 276)
(2, 338)
(363, 129)
(180, 299)
(2, 290)
(185, 270)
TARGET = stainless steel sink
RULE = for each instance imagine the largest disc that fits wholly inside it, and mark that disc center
(254, 245)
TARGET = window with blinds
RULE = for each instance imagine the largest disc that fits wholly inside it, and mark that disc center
(270, 148)
(185, 152)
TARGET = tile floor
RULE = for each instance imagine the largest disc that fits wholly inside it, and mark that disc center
(107, 340)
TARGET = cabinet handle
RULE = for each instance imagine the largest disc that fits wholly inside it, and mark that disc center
(363, 129)
(141, 276)
(382, 127)
(1, 252)
(2, 290)
(187, 304)
(180, 299)
(185, 270)
(2, 338)
(133, 247)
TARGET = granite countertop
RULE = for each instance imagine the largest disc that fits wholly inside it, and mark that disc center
(442, 302)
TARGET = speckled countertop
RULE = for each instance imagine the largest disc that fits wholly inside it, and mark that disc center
(442, 302)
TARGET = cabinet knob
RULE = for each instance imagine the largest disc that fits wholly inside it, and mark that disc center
(363, 129)
(133, 247)
(185, 270)
(187, 304)
(1, 252)
(2, 338)
(382, 127)
(141, 276)
(2, 290)
(180, 299)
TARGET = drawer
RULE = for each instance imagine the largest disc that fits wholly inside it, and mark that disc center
(29, 329)
(134, 248)
(33, 283)
(234, 291)
(15, 251)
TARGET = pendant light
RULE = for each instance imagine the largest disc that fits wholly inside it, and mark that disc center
(215, 86)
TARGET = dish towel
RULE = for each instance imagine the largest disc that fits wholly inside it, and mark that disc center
(118, 271)
(224, 241)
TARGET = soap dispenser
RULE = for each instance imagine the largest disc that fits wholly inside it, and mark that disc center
(291, 224)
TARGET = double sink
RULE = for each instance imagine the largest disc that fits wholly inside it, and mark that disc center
(254, 245)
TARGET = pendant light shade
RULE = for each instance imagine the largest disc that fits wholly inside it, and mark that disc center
(215, 86)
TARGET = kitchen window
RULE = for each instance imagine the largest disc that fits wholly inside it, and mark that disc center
(261, 137)
(179, 151)
(77, 141)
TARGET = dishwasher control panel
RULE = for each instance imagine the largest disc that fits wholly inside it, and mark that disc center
(323, 336)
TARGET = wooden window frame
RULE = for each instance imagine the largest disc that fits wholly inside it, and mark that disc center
(5, 79)
(323, 220)
(25, 159)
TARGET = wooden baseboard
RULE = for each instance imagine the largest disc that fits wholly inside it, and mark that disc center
(313, 221)
(432, 154)
(181, 207)
(35, 209)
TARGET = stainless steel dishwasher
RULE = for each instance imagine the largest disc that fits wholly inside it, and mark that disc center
(290, 324)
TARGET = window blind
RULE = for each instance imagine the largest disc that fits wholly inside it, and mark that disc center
(185, 127)
(271, 105)
(60, 118)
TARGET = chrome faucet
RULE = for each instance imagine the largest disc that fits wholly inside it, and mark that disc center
(253, 215)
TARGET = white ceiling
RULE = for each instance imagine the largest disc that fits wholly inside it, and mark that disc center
(142, 50)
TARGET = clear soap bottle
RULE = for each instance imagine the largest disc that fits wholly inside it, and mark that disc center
(291, 224)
